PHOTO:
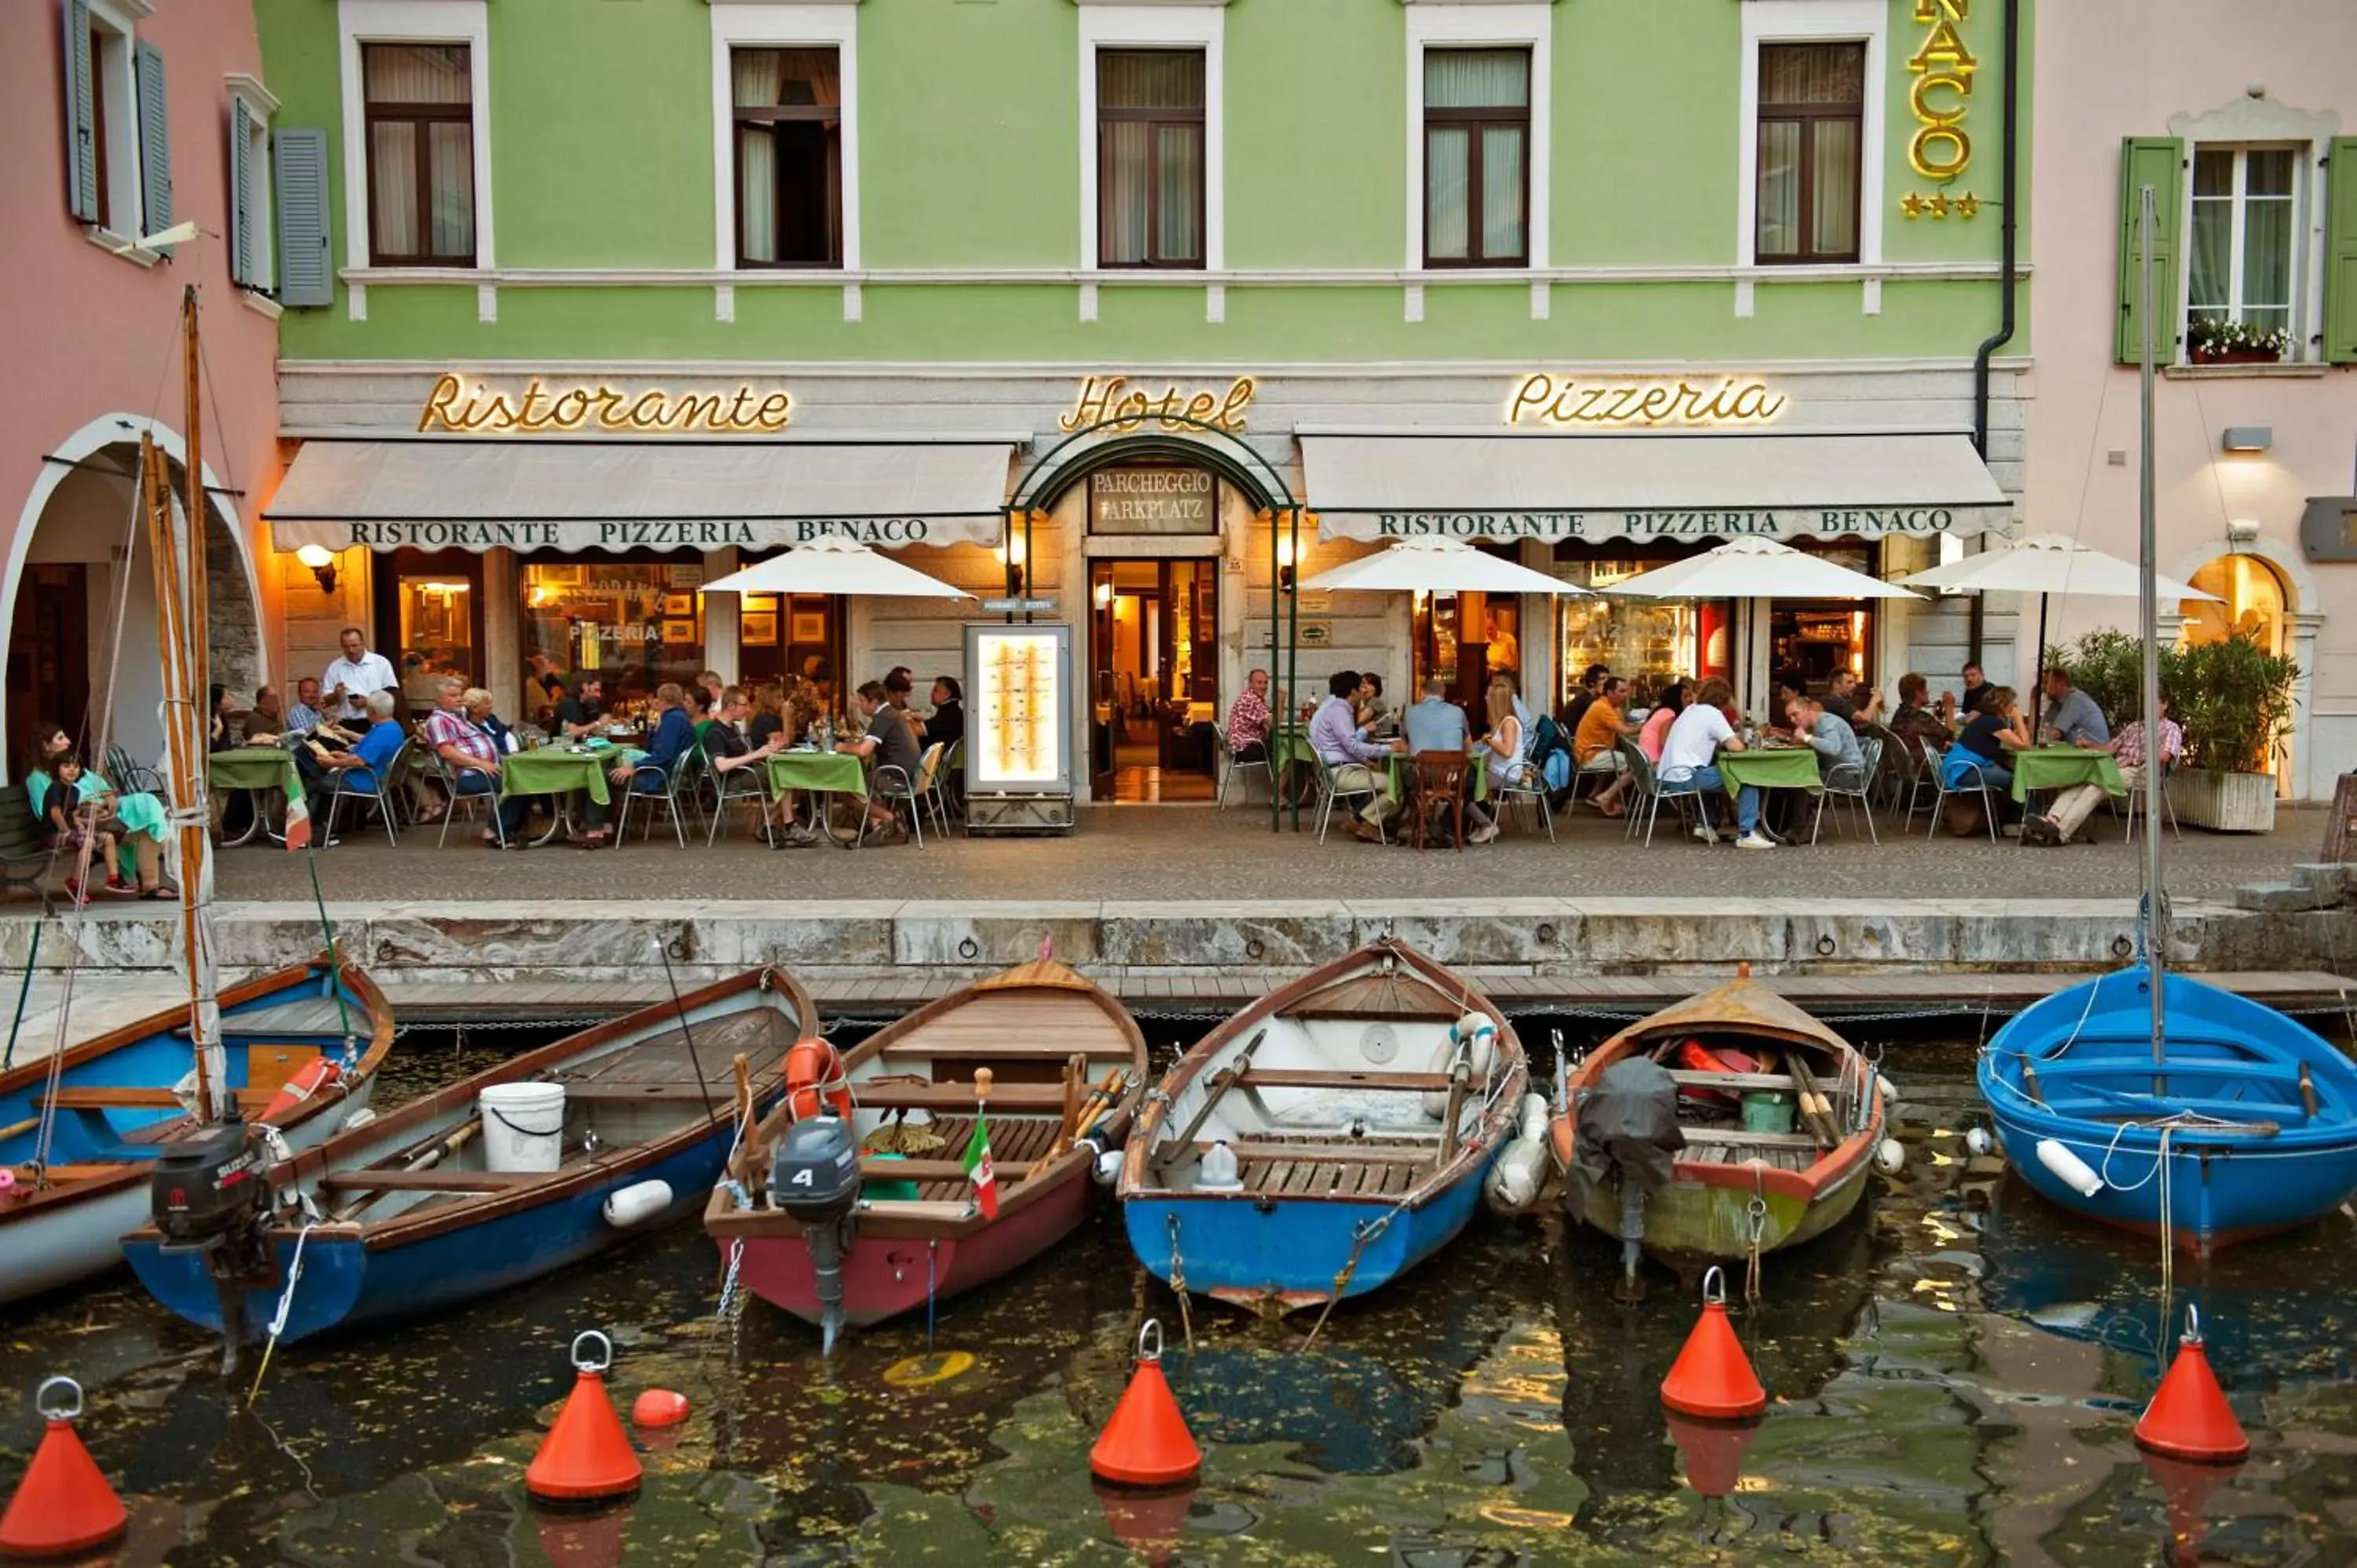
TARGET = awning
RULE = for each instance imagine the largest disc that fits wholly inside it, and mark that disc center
(571, 496)
(1498, 485)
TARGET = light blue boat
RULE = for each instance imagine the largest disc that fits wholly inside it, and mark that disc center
(2258, 1111)
(1328, 1138)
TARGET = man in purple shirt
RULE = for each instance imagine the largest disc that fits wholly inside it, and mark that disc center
(1352, 761)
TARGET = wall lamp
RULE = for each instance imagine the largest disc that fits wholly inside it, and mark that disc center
(1283, 564)
(2248, 438)
(322, 562)
(1011, 556)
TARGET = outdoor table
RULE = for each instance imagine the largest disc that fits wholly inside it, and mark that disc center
(1788, 768)
(1477, 772)
(556, 772)
(255, 768)
(2062, 768)
(823, 773)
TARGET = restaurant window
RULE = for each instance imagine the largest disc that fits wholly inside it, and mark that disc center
(2240, 273)
(1150, 173)
(637, 620)
(1464, 639)
(1811, 116)
(1810, 642)
(430, 601)
(790, 636)
(1649, 641)
(1477, 144)
(421, 154)
(788, 116)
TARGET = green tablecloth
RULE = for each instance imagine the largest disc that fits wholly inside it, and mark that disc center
(823, 771)
(550, 771)
(1476, 774)
(1288, 746)
(254, 767)
(2061, 767)
(1793, 768)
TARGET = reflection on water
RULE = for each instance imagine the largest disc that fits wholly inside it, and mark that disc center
(1956, 1373)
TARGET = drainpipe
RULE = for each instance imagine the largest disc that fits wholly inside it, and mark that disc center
(2008, 231)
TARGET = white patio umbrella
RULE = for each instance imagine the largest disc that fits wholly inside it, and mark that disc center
(1437, 566)
(835, 567)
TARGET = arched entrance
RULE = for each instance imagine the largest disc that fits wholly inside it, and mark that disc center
(78, 564)
(2253, 601)
(1152, 525)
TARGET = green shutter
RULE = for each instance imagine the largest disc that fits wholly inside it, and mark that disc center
(298, 160)
(2158, 161)
(155, 142)
(81, 116)
(2341, 254)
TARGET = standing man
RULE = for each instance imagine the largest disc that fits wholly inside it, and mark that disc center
(350, 680)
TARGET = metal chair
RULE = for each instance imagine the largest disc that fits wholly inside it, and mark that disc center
(439, 768)
(1979, 784)
(1907, 774)
(2168, 803)
(750, 782)
(129, 776)
(892, 785)
(932, 771)
(1525, 783)
(1651, 790)
(1234, 766)
(1330, 790)
(1855, 785)
(675, 780)
(382, 794)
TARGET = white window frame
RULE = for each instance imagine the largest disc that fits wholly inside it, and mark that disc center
(2306, 234)
(1171, 24)
(780, 24)
(1504, 25)
(114, 97)
(261, 107)
(1814, 22)
(361, 22)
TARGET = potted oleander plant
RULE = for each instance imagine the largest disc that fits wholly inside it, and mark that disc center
(2232, 699)
(2208, 342)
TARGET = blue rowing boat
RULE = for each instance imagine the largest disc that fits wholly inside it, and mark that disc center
(2256, 1112)
(1327, 1139)
(414, 1214)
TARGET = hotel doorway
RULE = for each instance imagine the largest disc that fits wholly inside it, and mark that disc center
(1154, 679)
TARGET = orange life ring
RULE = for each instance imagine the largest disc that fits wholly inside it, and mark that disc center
(322, 1073)
(814, 1076)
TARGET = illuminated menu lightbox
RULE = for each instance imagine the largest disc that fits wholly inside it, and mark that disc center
(1017, 682)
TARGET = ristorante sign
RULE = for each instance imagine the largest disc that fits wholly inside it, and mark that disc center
(1697, 523)
(458, 407)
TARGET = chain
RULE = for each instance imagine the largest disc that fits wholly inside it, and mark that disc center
(1178, 1283)
(1757, 1210)
(1362, 1233)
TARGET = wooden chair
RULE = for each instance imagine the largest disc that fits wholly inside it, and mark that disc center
(1437, 779)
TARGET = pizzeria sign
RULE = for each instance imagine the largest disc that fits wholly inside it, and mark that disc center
(1672, 522)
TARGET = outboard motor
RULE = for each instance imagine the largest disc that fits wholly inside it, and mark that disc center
(210, 1194)
(1626, 1126)
(814, 1179)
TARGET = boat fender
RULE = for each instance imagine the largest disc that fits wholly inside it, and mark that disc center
(814, 1078)
(1535, 1117)
(1220, 1171)
(1883, 1086)
(1108, 1167)
(636, 1203)
(1513, 1182)
(2069, 1168)
(1889, 1157)
(1977, 1141)
(318, 1073)
(1479, 1033)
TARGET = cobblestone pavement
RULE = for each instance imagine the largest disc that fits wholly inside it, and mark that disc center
(1200, 853)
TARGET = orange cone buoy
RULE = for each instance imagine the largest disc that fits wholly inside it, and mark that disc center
(63, 1505)
(1146, 1442)
(1148, 1523)
(659, 1407)
(579, 1539)
(1712, 1377)
(2187, 1487)
(1713, 1451)
(586, 1456)
(2189, 1417)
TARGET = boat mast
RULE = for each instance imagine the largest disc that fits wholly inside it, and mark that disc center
(182, 632)
(2148, 624)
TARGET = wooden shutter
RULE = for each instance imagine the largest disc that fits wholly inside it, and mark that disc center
(81, 116)
(2158, 161)
(155, 142)
(241, 196)
(2340, 254)
(298, 158)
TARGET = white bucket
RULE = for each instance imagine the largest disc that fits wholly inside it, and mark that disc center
(524, 1126)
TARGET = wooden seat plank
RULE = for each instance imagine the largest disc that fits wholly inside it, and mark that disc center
(875, 1168)
(1737, 1135)
(1402, 1153)
(427, 1180)
(1769, 1080)
(1337, 1077)
(130, 1097)
(953, 1096)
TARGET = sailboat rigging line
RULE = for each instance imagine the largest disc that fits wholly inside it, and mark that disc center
(662, 950)
(335, 964)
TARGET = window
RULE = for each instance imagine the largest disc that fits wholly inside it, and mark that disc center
(1150, 158)
(637, 618)
(788, 106)
(251, 263)
(421, 154)
(2244, 227)
(118, 160)
(1811, 116)
(1477, 141)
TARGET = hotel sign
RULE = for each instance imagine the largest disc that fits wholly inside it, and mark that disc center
(1698, 523)
(1940, 150)
(458, 407)
(1111, 401)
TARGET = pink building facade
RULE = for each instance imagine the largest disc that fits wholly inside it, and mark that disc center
(2239, 112)
(121, 115)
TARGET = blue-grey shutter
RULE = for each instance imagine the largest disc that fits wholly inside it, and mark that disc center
(81, 116)
(155, 142)
(241, 196)
(300, 159)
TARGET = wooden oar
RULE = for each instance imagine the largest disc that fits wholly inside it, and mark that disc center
(460, 1137)
(1815, 1111)
(1076, 1080)
(1224, 1079)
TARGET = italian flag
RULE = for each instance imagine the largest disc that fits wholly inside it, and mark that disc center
(299, 822)
(978, 1171)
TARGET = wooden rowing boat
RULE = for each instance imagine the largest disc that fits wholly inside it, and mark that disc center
(1063, 1060)
(114, 1107)
(1360, 1115)
(1805, 1180)
(401, 1217)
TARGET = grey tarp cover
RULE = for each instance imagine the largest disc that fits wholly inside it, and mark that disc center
(1629, 1120)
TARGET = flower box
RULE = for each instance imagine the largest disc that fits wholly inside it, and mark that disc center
(2204, 355)
(2223, 802)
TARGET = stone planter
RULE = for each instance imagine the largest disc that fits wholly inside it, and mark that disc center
(2224, 803)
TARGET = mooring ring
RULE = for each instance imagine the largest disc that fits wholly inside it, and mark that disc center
(60, 1412)
(580, 1363)
(1152, 1331)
